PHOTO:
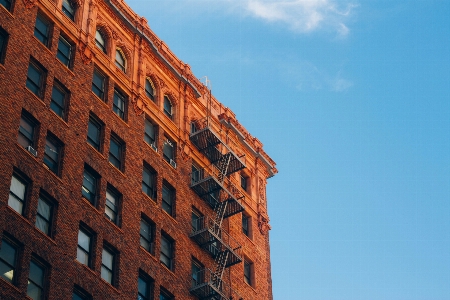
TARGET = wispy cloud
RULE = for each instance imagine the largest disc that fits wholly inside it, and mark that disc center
(306, 76)
(305, 15)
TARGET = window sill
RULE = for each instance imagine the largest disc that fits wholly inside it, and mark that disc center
(250, 286)
(58, 117)
(148, 253)
(35, 96)
(121, 120)
(85, 267)
(96, 151)
(51, 172)
(19, 215)
(90, 205)
(7, 11)
(110, 285)
(169, 270)
(46, 236)
(171, 167)
(68, 69)
(115, 226)
(171, 217)
(10, 285)
(100, 99)
(115, 168)
(2, 67)
(27, 152)
(156, 151)
(45, 46)
(147, 196)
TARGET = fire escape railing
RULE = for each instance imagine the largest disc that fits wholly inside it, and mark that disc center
(215, 187)
(205, 285)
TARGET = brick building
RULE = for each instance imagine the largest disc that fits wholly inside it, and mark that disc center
(122, 176)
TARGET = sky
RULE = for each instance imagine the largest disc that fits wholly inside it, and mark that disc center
(352, 101)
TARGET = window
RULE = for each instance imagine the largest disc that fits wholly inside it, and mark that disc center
(167, 251)
(196, 220)
(52, 154)
(69, 9)
(168, 107)
(164, 294)
(8, 259)
(149, 181)
(145, 287)
(35, 79)
(244, 182)
(98, 84)
(94, 135)
(248, 270)
(147, 234)
(27, 130)
(149, 89)
(196, 175)
(168, 199)
(80, 294)
(108, 262)
(36, 278)
(6, 4)
(90, 182)
(150, 134)
(194, 128)
(17, 193)
(246, 220)
(100, 40)
(44, 216)
(169, 152)
(42, 30)
(197, 272)
(3, 42)
(119, 104)
(59, 100)
(112, 205)
(116, 151)
(120, 60)
(64, 53)
(84, 249)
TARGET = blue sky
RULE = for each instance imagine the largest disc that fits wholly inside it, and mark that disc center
(352, 100)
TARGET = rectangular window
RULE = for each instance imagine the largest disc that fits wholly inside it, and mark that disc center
(95, 129)
(90, 185)
(149, 181)
(244, 182)
(169, 152)
(248, 269)
(196, 175)
(196, 220)
(17, 193)
(116, 151)
(36, 78)
(145, 287)
(112, 204)
(197, 272)
(119, 104)
(42, 30)
(168, 199)
(167, 251)
(98, 84)
(36, 280)
(165, 295)
(8, 260)
(150, 133)
(3, 42)
(64, 53)
(108, 262)
(44, 216)
(59, 100)
(80, 294)
(246, 225)
(27, 130)
(84, 249)
(147, 234)
(6, 4)
(53, 153)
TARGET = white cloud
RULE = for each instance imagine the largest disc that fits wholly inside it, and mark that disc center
(305, 15)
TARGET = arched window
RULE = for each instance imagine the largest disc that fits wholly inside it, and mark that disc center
(168, 107)
(100, 40)
(69, 9)
(120, 60)
(149, 90)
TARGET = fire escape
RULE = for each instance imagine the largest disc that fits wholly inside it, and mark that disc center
(214, 186)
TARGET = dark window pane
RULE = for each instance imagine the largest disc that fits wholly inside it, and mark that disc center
(44, 216)
(149, 90)
(64, 51)
(100, 41)
(167, 107)
(57, 103)
(3, 40)
(94, 131)
(34, 79)
(6, 4)
(8, 255)
(120, 60)
(89, 188)
(26, 132)
(149, 135)
(68, 9)
(119, 104)
(52, 154)
(98, 84)
(41, 30)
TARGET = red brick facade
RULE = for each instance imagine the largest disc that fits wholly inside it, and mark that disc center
(60, 138)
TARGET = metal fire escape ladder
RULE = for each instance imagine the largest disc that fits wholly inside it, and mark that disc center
(220, 268)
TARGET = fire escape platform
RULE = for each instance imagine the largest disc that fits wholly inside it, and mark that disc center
(208, 142)
(209, 189)
(209, 287)
(215, 243)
